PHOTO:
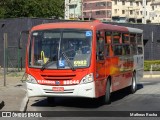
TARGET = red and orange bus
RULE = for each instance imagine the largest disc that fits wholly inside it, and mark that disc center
(83, 59)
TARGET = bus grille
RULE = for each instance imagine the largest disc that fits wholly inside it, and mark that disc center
(58, 77)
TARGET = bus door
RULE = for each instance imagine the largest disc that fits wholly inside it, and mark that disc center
(100, 62)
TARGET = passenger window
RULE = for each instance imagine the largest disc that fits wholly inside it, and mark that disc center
(125, 38)
(126, 49)
(108, 37)
(140, 50)
(100, 45)
(116, 38)
(133, 38)
(118, 50)
(134, 49)
(139, 39)
(107, 50)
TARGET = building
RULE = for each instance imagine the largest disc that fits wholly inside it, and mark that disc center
(97, 9)
(155, 12)
(73, 9)
(88, 9)
(137, 11)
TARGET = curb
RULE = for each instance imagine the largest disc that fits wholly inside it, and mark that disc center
(24, 104)
(151, 76)
(2, 104)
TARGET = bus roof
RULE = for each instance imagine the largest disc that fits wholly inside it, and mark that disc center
(134, 30)
(85, 25)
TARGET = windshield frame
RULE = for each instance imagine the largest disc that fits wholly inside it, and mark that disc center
(60, 39)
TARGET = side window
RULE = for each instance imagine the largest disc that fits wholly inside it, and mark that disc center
(139, 39)
(107, 50)
(133, 44)
(100, 45)
(133, 38)
(140, 50)
(127, 50)
(118, 50)
(125, 38)
(133, 49)
(108, 37)
(116, 38)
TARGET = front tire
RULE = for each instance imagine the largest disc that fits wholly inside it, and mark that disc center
(107, 97)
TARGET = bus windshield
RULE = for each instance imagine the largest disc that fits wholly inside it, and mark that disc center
(60, 49)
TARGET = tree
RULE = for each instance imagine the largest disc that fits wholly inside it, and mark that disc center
(31, 8)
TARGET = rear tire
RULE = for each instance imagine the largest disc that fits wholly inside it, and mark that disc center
(133, 86)
(107, 97)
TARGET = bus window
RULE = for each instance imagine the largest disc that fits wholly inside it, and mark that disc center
(107, 50)
(139, 39)
(133, 38)
(108, 37)
(134, 49)
(126, 49)
(100, 48)
(118, 50)
(140, 50)
(125, 38)
(116, 37)
(100, 45)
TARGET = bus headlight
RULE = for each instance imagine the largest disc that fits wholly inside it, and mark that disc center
(87, 79)
(31, 79)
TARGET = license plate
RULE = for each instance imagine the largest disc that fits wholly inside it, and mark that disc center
(58, 89)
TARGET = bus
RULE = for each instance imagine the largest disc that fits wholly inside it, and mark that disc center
(83, 59)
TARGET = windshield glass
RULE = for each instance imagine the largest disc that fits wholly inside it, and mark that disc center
(60, 49)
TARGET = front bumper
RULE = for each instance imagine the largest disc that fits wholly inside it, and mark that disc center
(80, 90)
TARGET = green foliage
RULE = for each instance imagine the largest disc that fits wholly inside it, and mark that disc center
(31, 8)
(155, 65)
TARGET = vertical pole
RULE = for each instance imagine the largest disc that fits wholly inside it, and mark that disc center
(82, 9)
(135, 15)
(18, 59)
(128, 14)
(158, 19)
(21, 63)
(4, 66)
(74, 9)
(144, 12)
(152, 47)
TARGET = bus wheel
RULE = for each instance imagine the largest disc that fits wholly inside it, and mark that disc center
(50, 100)
(107, 96)
(133, 86)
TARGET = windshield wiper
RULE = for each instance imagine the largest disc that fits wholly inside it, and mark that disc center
(45, 64)
(67, 59)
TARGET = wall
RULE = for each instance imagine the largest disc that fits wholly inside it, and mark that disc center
(13, 27)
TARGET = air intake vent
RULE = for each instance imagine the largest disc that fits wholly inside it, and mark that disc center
(58, 77)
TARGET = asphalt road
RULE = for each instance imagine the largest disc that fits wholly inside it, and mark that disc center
(145, 100)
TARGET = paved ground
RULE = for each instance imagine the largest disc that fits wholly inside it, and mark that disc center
(13, 95)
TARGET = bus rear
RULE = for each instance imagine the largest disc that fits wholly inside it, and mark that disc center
(58, 62)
